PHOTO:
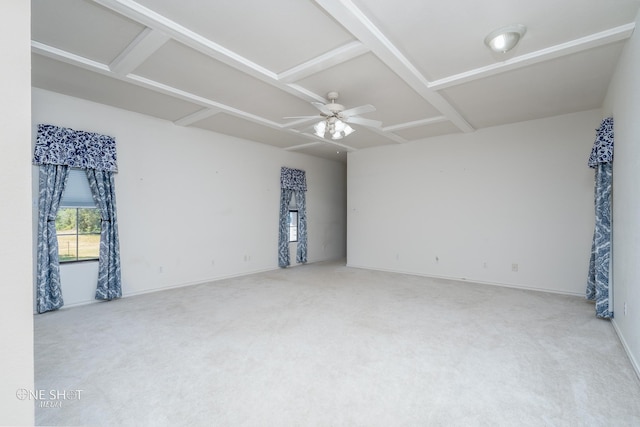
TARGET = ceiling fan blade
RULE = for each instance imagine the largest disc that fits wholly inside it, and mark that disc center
(303, 117)
(363, 122)
(359, 110)
(323, 108)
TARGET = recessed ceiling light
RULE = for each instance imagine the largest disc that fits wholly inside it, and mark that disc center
(506, 38)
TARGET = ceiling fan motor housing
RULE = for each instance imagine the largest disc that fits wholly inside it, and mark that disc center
(333, 106)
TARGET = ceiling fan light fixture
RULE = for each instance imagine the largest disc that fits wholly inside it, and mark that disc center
(506, 38)
(336, 128)
(320, 128)
(339, 126)
(348, 130)
(335, 118)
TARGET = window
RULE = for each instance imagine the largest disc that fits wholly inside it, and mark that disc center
(78, 231)
(78, 221)
(293, 225)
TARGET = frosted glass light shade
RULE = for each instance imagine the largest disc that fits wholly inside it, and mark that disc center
(504, 39)
(348, 130)
(320, 128)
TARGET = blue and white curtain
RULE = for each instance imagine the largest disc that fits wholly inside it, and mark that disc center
(51, 183)
(601, 160)
(293, 183)
(56, 150)
(104, 194)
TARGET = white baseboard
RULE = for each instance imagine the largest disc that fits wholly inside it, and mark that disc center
(197, 282)
(464, 279)
(634, 362)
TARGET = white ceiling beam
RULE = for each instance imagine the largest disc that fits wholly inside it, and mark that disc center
(356, 22)
(196, 117)
(68, 57)
(318, 140)
(337, 56)
(416, 123)
(331, 141)
(301, 146)
(388, 135)
(309, 95)
(187, 96)
(574, 46)
(297, 122)
(142, 47)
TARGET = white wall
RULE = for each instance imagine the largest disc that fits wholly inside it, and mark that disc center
(623, 103)
(193, 205)
(470, 206)
(16, 320)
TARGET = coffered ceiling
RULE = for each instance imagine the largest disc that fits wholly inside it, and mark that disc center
(238, 67)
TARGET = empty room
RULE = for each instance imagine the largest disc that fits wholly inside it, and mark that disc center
(320, 213)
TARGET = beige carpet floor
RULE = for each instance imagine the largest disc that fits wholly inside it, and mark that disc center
(328, 345)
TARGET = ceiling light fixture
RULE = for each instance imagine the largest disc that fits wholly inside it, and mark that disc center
(504, 39)
(336, 128)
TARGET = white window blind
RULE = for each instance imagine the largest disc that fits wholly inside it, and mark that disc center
(77, 193)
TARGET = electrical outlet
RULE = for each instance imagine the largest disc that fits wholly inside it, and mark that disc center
(514, 267)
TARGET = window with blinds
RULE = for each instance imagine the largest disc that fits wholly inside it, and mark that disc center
(78, 221)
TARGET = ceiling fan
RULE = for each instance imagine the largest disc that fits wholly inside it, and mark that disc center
(335, 118)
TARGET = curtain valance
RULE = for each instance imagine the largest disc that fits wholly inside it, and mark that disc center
(602, 151)
(79, 149)
(293, 179)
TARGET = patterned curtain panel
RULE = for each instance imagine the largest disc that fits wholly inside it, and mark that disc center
(85, 150)
(104, 194)
(51, 183)
(283, 233)
(301, 205)
(292, 182)
(601, 160)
